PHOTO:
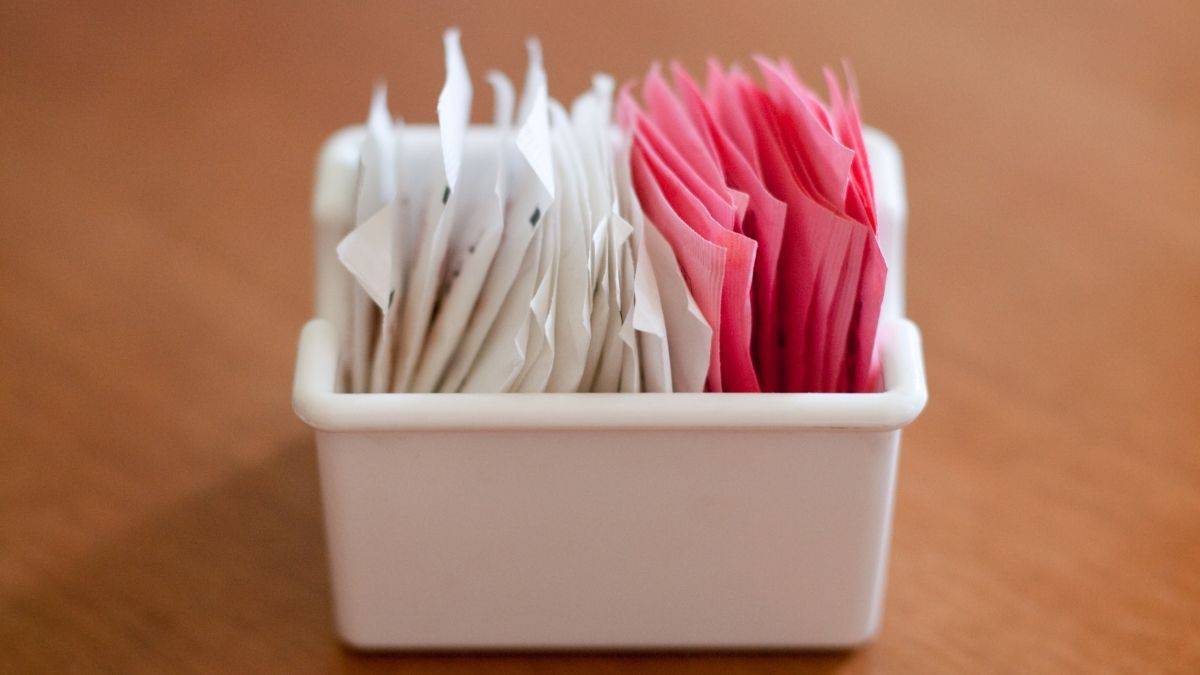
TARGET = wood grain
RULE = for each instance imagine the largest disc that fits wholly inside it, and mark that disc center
(158, 500)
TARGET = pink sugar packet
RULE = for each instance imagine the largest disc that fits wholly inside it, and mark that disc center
(778, 184)
(763, 222)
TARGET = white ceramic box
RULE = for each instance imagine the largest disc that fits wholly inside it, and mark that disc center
(605, 521)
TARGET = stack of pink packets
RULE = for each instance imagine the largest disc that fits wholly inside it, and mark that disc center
(765, 195)
(724, 240)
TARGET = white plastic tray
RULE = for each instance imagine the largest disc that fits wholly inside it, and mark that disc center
(605, 521)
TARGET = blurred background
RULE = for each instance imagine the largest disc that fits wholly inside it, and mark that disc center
(158, 499)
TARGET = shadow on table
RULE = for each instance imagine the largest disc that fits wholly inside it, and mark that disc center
(234, 579)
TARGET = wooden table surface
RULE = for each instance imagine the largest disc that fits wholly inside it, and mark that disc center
(158, 499)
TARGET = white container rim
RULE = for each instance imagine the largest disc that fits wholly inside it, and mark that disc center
(317, 401)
